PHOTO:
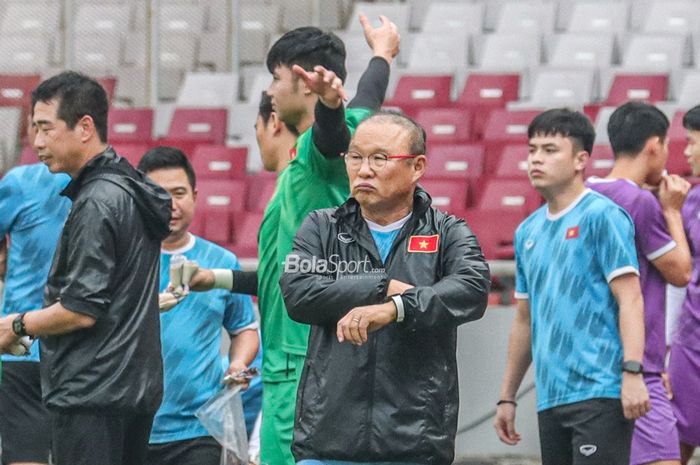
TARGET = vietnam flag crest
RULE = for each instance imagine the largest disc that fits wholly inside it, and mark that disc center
(571, 233)
(424, 244)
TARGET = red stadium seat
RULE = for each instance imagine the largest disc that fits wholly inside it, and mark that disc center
(131, 151)
(514, 195)
(677, 162)
(219, 162)
(495, 230)
(512, 163)
(458, 161)
(485, 92)
(450, 125)
(219, 202)
(109, 83)
(16, 89)
(643, 87)
(601, 161)
(130, 125)
(505, 127)
(450, 195)
(413, 92)
(201, 125)
(247, 228)
(261, 187)
(28, 156)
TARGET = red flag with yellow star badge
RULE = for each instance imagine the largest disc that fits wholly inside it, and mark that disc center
(572, 233)
(423, 244)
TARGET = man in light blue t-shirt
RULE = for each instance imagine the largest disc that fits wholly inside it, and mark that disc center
(191, 331)
(580, 314)
(32, 214)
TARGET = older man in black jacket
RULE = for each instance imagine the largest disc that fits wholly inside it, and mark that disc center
(101, 367)
(384, 280)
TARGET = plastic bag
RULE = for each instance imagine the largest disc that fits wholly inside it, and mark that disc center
(223, 418)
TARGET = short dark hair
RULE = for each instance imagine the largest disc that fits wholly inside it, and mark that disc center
(632, 124)
(566, 123)
(308, 47)
(77, 95)
(163, 157)
(265, 110)
(691, 120)
(416, 133)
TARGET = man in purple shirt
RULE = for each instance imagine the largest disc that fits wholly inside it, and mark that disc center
(684, 365)
(638, 136)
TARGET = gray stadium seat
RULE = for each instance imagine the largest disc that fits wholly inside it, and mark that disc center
(596, 17)
(439, 52)
(208, 90)
(509, 52)
(96, 53)
(398, 13)
(582, 50)
(10, 122)
(526, 17)
(657, 52)
(36, 19)
(552, 88)
(450, 16)
(111, 19)
(24, 54)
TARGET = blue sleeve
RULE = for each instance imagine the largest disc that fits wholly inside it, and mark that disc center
(521, 288)
(10, 202)
(239, 311)
(612, 239)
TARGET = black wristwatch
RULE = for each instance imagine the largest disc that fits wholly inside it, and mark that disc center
(18, 325)
(632, 366)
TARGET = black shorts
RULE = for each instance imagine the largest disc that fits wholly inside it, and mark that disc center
(24, 421)
(89, 438)
(197, 451)
(592, 432)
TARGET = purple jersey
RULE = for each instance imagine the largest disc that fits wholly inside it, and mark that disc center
(688, 328)
(652, 240)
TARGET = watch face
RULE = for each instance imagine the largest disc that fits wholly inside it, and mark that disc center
(632, 367)
(18, 326)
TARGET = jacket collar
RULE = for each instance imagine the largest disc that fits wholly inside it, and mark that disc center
(73, 187)
(350, 210)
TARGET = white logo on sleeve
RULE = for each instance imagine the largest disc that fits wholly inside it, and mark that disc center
(529, 243)
(588, 449)
(345, 238)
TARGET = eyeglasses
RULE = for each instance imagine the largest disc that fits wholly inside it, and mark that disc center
(377, 160)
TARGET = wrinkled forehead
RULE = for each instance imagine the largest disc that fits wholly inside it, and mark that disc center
(379, 135)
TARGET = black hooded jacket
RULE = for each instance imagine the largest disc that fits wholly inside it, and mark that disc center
(396, 397)
(107, 266)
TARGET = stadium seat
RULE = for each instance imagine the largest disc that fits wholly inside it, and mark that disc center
(27, 156)
(109, 84)
(553, 88)
(583, 51)
(199, 125)
(450, 195)
(181, 18)
(261, 187)
(512, 163)
(103, 19)
(246, 234)
(677, 17)
(601, 124)
(509, 52)
(458, 161)
(601, 161)
(24, 54)
(483, 92)
(594, 17)
(449, 125)
(502, 128)
(434, 52)
(526, 17)
(10, 123)
(219, 162)
(515, 195)
(37, 20)
(132, 151)
(397, 12)
(130, 125)
(208, 90)
(495, 231)
(98, 53)
(677, 162)
(449, 16)
(645, 87)
(427, 91)
(16, 89)
(654, 53)
(258, 22)
(220, 201)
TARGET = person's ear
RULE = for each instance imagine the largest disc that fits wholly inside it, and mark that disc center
(581, 160)
(86, 126)
(420, 164)
(276, 123)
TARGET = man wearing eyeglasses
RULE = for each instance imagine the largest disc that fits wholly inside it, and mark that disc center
(384, 280)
